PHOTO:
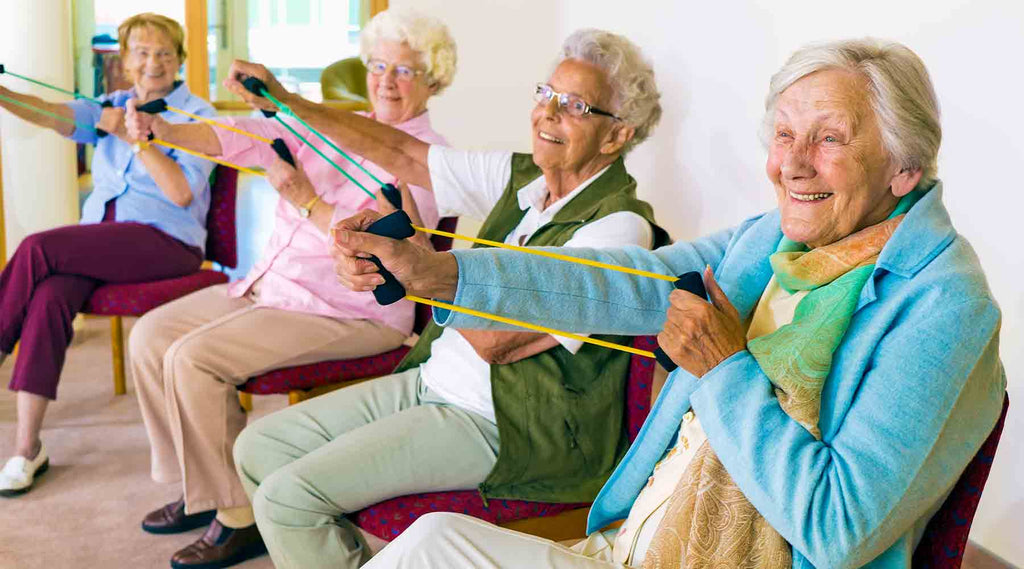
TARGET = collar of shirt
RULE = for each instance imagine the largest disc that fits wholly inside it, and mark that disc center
(535, 194)
(416, 124)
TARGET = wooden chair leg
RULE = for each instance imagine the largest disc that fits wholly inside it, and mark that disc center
(245, 398)
(295, 396)
(117, 348)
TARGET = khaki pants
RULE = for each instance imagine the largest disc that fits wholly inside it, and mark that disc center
(455, 540)
(309, 465)
(187, 359)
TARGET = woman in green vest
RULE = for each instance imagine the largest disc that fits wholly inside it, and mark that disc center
(514, 414)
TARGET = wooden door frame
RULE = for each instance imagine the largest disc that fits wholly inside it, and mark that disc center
(197, 66)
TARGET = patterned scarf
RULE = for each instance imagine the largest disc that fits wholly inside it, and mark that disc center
(708, 522)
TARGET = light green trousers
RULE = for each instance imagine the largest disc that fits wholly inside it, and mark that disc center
(307, 466)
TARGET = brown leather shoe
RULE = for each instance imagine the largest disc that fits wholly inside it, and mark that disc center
(171, 518)
(220, 547)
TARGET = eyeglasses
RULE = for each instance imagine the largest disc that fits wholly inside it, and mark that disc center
(402, 72)
(141, 53)
(572, 104)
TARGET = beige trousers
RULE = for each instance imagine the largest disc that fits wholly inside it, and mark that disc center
(455, 540)
(187, 359)
(308, 466)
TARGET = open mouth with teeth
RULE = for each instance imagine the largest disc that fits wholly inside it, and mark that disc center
(545, 136)
(809, 197)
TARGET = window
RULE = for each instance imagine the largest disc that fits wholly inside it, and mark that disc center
(296, 39)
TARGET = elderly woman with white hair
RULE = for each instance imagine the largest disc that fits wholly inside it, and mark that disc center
(516, 415)
(842, 376)
(189, 356)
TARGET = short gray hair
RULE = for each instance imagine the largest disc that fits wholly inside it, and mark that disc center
(631, 78)
(426, 35)
(899, 89)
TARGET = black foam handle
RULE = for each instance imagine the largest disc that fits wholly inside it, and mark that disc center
(392, 194)
(691, 282)
(257, 87)
(395, 225)
(282, 151)
(100, 133)
(2, 69)
(153, 107)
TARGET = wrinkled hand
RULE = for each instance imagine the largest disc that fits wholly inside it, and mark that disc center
(291, 182)
(421, 273)
(699, 335)
(409, 205)
(138, 125)
(240, 70)
(112, 121)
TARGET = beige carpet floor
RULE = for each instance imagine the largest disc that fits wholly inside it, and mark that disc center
(85, 511)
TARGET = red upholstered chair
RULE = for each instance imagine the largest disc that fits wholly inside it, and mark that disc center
(310, 380)
(942, 545)
(135, 299)
(390, 518)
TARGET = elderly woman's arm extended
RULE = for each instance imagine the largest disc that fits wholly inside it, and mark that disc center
(62, 127)
(402, 154)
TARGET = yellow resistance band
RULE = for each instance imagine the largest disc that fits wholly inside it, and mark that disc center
(539, 253)
(212, 122)
(528, 326)
(205, 157)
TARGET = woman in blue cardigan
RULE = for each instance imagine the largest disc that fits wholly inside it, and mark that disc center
(830, 394)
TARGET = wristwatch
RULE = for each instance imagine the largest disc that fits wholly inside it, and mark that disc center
(306, 209)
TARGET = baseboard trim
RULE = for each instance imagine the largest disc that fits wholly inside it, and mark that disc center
(977, 557)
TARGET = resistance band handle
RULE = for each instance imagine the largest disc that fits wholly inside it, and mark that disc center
(396, 225)
(282, 151)
(153, 107)
(2, 69)
(257, 87)
(100, 133)
(392, 194)
(693, 283)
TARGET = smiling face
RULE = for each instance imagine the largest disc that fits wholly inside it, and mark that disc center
(151, 62)
(831, 172)
(395, 100)
(573, 144)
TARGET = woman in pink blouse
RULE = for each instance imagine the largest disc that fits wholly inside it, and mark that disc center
(189, 356)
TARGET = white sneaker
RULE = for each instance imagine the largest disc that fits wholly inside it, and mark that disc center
(19, 473)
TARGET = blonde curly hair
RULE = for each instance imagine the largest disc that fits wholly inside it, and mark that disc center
(426, 35)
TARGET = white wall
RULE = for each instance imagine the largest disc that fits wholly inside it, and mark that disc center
(703, 168)
(38, 165)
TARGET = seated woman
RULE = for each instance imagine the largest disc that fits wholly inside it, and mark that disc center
(830, 394)
(149, 205)
(189, 356)
(517, 415)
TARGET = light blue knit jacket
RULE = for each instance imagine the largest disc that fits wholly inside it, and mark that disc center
(915, 388)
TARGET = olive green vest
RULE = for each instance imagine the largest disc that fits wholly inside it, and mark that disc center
(560, 416)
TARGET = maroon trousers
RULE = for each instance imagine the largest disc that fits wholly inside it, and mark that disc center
(52, 275)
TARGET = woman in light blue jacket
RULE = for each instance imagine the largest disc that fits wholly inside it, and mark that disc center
(843, 375)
